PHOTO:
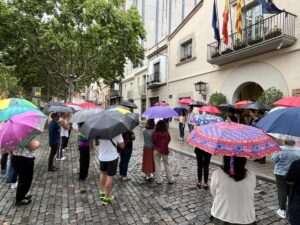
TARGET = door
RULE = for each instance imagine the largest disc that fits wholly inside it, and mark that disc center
(254, 23)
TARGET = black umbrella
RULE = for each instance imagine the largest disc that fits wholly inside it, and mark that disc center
(108, 124)
(56, 104)
(229, 107)
(130, 105)
(257, 106)
(197, 104)
(60, 109)
(181, 110)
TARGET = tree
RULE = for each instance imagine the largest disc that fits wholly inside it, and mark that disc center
(9, 84)
(216, 99)
(69, 43)
(270, 96)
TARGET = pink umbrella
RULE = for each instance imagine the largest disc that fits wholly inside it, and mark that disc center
(292, 101)
(89, 105)
(19, 130)
(210, 109)
(186, 101)
(161, 104)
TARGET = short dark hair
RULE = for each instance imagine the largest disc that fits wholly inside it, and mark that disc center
(161, 126)
(239, 164)
(54, 115)
(150, 124)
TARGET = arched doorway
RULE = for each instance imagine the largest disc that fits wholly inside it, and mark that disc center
(248, 91)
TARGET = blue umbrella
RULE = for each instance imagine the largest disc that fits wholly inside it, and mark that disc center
(282, 121)
(159, 112)
(181, 110)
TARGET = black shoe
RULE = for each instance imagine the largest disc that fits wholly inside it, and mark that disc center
(23, 202)
(28, 197)
(256, 160)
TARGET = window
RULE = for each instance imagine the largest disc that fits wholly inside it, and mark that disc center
(253, 21)
(186, 50)
(156, 72)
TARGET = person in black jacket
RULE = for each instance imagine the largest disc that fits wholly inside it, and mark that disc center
(293, 178)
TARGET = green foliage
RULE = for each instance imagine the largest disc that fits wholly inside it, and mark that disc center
(270, 96)
(61, 44)
(216, 99)
(9, 83)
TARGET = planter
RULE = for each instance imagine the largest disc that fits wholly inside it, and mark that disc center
(226, 51)
(239, 46)
(255, 41)
(273, 33)
(215, 55)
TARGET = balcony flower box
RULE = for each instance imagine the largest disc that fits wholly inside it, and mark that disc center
(273, 33)
(239, 45)
(256, 40)
(216, 54)
(226, 51)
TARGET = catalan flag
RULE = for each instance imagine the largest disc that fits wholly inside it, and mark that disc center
(238, 23)
(225, 22)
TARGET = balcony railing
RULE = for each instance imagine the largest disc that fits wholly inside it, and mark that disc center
(154, 80)
(275, 32)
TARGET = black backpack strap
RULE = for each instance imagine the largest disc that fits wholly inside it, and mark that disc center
(113, 143)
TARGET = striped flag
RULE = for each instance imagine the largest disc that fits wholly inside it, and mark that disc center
(225, 22)
(238, 23)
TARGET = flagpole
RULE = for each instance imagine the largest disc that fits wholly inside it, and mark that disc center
(245, 14)
(230, 18)
(217, 12)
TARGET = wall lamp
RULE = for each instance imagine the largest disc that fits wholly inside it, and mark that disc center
(201, 88)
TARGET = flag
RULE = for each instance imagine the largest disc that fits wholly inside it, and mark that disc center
(225, 22)
(238, 22)
(269, 7)
(215, 22)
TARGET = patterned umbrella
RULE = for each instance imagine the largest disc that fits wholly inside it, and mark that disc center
(15, 101)
(232, 139)
(159, 112)
(11, 111)
(292, 101)
(199, 120)
(186, 101)
(210, 109)
(19, 130)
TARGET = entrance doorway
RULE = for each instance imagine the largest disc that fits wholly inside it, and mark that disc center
(153, 101)
(248, 91)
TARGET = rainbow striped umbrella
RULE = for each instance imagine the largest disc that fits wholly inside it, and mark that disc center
(15, 101)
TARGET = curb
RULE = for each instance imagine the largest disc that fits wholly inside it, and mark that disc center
(216, 163)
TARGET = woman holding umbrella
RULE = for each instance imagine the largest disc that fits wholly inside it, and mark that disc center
(148, 160)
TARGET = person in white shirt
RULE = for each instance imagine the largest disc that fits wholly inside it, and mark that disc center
(108, 157)
(232, 187)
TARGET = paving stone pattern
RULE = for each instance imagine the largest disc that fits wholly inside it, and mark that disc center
(60, 198)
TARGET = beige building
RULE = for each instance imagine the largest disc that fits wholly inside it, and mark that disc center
(267, 55)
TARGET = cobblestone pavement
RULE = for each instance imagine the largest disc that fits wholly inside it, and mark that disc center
(60, 198)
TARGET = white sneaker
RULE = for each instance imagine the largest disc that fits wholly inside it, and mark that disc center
(281, 213)
(14, 185)
(62, 158)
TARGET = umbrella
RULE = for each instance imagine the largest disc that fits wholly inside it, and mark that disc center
(292, 101)
(232, 139)
(161, 104)
(181, 110)
(75, 106)
(120, 110)
(276, 108)
(282, 121)
(159, 112)
(15, 101)
(56, 104)
(210, 109)
(199, 120)
(256, 106)
(19, 130)
(228, 108)
(186, 101)
(60, 109)
(108, 124)
(88, 105)
(15, 110)
(197, 104)
(128, 104)
(83, 115)
(241, 103)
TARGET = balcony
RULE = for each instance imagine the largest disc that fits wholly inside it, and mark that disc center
(154, 80)
(114, 93)
(275, 32)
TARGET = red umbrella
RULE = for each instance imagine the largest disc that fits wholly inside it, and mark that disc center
(292, 101)
(210, 109)
(161, 104)
(186, 101)
(70, 103)
(241, 103)
(88, 105)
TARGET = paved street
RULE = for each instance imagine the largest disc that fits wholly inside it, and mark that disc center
(60, 198)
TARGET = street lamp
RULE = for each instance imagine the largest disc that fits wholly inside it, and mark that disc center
(201, 88)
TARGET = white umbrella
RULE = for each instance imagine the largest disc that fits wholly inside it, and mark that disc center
(83, 115)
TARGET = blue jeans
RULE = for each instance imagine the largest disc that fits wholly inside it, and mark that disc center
(125, 157)
(181, 130)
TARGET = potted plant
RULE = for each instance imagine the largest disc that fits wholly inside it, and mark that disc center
(276, 31)
(238, 44)
(257, 39)
(226, 51)
(215, 55)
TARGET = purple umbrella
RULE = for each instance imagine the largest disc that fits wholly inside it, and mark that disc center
(159, 112)
(19, 130)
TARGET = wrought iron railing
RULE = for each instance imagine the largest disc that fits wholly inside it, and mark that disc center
(153, 78)
(276, 25)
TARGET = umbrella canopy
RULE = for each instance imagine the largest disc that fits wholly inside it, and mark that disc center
(83, 115)
(120, 110)
(256, 106)
(292, 101)
(282, 121)
(161, 104)
(199, 120)
(276, 108)
(159, 112)
(74, 106)
(186, 101)
(88, 105)
(241, 103)
(19, 130)
(60, 109)
(181, 110)
(11, 111)
(197, 104)
(210, 109)
(108, 124)
(232, 139)
(56, 104)
(15, 101)
(128, 104)
(228, 107)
